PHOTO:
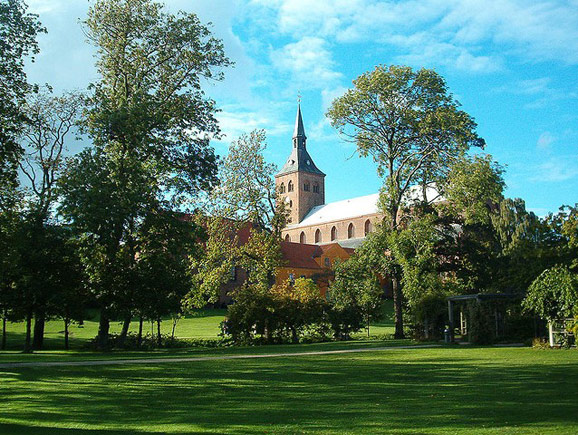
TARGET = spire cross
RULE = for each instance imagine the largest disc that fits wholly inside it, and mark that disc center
(299, 97)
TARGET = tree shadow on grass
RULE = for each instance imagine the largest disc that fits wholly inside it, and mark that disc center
(420, 390)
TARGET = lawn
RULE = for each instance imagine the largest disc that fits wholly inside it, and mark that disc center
(441, 390)
(202, 324)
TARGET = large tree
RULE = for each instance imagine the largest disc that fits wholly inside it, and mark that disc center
(413, 128)
(247, 190)
(18, 32)
(150, 123)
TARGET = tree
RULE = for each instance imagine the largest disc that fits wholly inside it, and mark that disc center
(165, 243)
(355, 294)
(19, 30)
(412, 127)
(247, 190)
(50, 119)
(553, 295)
(150, 123)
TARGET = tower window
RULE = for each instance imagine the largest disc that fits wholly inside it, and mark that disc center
(287, 238)
(302, 238)
(290, 186)
(367, 227)
(315, 187)
(306, 186)
(282, 188)
(350, 231)
(333, 233)
(318, 236)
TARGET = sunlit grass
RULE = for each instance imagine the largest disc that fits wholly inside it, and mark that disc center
(442, 390)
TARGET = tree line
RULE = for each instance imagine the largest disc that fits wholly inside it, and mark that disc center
(113, 226)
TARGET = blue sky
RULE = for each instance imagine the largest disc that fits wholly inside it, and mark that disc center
(512, 64)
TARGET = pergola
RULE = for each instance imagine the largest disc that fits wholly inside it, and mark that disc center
(479, 297)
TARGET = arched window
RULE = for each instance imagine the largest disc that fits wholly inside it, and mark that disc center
(333, 233)
(367, 227)
(350, 231)
(316, 187)
(287, 238)
(318, 236)
(290, 186)
(290, 204)
(306, 186)
(302, 238)
(282, 188)
(327, 262)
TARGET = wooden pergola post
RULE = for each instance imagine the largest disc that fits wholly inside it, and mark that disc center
(451, 319)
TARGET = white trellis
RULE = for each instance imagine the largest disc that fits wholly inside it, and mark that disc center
(559, 331)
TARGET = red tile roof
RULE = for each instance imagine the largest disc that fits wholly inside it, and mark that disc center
(300, 255)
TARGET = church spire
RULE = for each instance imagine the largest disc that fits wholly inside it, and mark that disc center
(299, 160)
(299, 138)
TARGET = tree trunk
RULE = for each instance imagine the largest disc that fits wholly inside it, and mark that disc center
(39, 323)
(294, 336)
(4, 332)
(124, 331)
(66, 324)
(140, 323)
(103, 330)
(27, 347)
(159, 337)
(175, 320)
(398, 307)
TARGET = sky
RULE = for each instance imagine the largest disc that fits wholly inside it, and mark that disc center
(513, 65)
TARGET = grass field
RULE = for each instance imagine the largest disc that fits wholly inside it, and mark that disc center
(441, 390)
(203, 324)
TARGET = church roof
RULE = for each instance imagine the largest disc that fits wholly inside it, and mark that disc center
(341, 210)
(355, 207)
(299, 160)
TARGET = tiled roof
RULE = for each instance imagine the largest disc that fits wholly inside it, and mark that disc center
(300, 255)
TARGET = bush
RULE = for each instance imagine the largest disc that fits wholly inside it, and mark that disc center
(281, 314)
(150, 342)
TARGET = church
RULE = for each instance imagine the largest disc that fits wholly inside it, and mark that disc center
(301, 184)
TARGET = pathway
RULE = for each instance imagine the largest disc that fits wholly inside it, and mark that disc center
(202, 358)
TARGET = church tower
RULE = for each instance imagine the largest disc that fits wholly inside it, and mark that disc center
(300, 183)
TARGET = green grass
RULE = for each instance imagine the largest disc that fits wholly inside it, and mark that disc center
(203, 324)
(443, 390)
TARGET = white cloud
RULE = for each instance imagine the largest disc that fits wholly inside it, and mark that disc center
(545, 140)
(45, 6)
(309, 61)
(557, 169)
(449, 32)
(234, 122)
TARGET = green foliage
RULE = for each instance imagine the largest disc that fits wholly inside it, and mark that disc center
(211, 266)
(279, 314)
(150, 124)
(471, 187)
(19, 30)
(356, 295)
(409, 123)
(413, 128)
(247, 190)
(553, 295)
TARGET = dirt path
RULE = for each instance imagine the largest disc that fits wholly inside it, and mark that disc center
(201, 358)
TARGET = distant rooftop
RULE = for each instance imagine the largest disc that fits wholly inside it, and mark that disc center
(355, 207)
(340, 210)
